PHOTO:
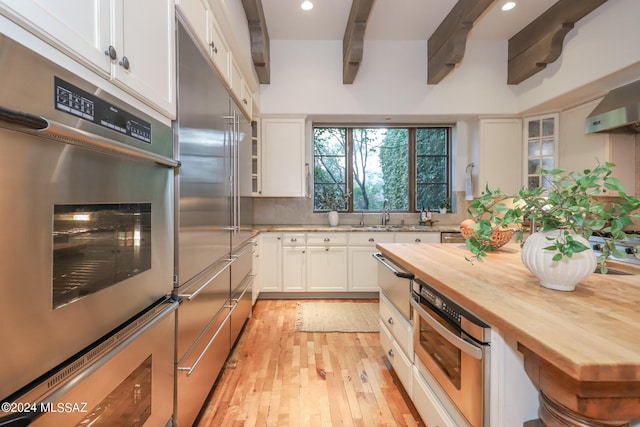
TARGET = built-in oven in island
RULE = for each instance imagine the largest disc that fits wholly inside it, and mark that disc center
(452, 348)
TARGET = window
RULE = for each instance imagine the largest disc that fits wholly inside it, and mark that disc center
(541, 147)
(358, 168)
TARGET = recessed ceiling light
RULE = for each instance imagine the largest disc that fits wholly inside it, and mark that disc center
(508, 5)
(306, 5)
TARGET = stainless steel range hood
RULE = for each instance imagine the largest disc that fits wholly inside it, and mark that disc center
(618, 112)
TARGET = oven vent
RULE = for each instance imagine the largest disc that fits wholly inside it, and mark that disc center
(65, 373)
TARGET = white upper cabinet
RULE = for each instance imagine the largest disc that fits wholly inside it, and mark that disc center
(144, 38)
(130, 42)
(283, 167)
(500, 155)
(81, 28)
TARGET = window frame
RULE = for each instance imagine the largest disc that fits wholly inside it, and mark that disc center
(412, 153)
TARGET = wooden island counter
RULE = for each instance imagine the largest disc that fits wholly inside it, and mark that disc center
(581, 349)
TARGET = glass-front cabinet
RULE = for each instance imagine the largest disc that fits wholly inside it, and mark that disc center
(541, 146)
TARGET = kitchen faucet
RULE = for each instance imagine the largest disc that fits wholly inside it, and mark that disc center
(386, 209)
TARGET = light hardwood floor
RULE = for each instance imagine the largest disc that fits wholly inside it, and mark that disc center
(278, 377)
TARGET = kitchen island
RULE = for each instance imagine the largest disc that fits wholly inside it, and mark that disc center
(581, 349)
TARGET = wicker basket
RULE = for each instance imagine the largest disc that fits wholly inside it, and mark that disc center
(499, 238)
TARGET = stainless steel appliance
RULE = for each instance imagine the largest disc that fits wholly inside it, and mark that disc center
(213, 226)
(627, 250)
(452, 347)
(451, 237)
(86, 209)
(395, 284)
(124, 378)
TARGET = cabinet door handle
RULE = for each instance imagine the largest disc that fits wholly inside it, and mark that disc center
(390, 321)
(418, 240)
(327, 239)
(124, 63)
(371, 239)
(293, 239)
(111, 52)
(391, 353)
(214, 49)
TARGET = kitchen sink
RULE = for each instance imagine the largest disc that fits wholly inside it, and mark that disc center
(374, 227)
(390, 227)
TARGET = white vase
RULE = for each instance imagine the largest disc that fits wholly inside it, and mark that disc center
(443, 210)
(561, 275)
(334, 218)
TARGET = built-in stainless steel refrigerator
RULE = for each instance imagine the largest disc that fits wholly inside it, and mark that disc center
(213, 226)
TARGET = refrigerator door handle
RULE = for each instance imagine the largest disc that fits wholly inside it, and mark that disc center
(195, 293)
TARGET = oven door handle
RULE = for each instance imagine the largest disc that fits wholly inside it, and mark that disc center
(403, 274)
(459, 343)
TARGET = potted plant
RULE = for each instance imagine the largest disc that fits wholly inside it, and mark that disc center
(565, 212)
(333, 199)
(445, 205)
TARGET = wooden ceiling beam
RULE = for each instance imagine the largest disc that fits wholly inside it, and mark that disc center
(353, 41)
(540, 42)
(259, 37)
(446, 45)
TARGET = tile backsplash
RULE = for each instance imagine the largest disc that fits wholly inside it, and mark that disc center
(299, 211)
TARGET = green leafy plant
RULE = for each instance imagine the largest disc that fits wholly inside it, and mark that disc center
(333, 199)
(445, 203)
(569, 201)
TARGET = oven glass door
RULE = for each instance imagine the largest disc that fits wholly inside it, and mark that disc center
(98, 245)
(88, 240)
(456, 364)
(445, 355)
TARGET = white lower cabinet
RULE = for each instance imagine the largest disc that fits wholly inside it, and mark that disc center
(396, 340)
(270, 262)
(363, 268)
(294, 262)
(326, 262)
(417, 237)
(255, 267)
(427, 404)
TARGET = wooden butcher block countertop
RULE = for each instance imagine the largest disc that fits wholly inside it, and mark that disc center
(591, 334)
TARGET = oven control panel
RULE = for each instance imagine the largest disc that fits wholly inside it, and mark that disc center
(82, 104)
(441, 304)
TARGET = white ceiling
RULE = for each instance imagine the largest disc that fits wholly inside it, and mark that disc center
(392, 19)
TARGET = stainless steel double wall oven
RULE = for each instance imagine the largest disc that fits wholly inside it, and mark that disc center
(86, 207)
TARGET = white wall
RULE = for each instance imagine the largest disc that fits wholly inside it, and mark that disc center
(599, 54)
(306, 76)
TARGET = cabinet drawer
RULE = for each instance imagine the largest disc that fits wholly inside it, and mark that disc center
(326, 239)
(417, 237)
(401, 364)
(427, 404)
(401, 330)
(360, 238)
(293, 239)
